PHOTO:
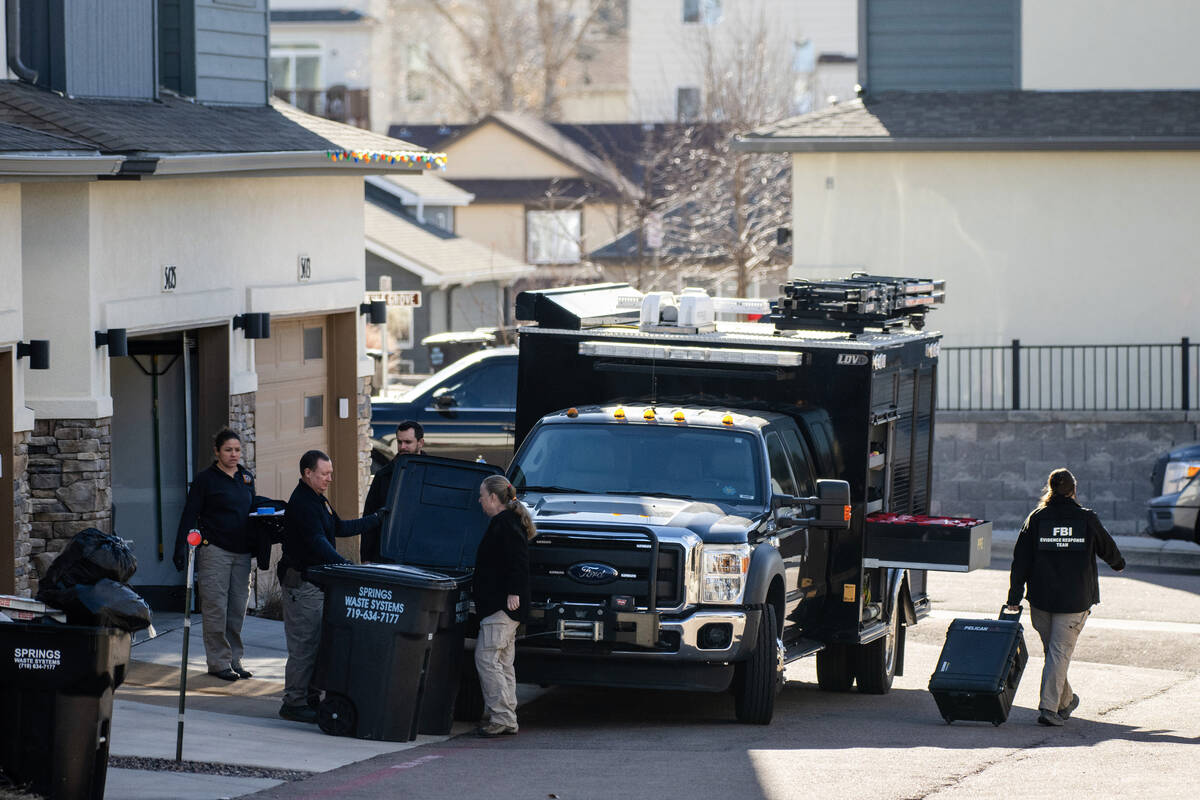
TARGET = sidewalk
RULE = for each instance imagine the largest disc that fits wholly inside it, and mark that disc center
(1139, 551)
(233, 728)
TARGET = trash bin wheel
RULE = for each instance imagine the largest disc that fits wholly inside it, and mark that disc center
(468, 705)
(336, 715)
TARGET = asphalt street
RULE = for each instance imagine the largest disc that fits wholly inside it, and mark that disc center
(1137, 669)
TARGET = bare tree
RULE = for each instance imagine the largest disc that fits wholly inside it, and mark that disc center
(722, 209)
(517, 50)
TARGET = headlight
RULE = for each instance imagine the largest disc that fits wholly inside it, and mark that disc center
(723, 573)
(1177, 474)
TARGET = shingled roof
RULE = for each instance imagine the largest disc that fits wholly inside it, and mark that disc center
(990, 120)
(15, 139)
(439, 257)
(277, 136)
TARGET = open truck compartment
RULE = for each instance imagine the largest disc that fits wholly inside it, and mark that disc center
(914, 541)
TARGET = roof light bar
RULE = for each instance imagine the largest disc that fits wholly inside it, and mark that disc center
(713, 355)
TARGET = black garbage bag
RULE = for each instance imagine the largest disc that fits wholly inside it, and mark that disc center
(105, 603)
(90, 556)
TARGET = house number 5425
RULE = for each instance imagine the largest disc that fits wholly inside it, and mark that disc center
(168, 278)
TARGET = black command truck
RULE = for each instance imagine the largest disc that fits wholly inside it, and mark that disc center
(716, 499)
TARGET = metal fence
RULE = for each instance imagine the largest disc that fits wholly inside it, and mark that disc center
(1091, 377)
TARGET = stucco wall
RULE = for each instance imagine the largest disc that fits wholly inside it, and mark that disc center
(496, 225)
(10, 262)
(1050, 248)
(493, 152)
(94, 254)
(665, 53)
(1109, 44)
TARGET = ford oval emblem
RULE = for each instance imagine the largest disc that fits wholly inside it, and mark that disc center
(592, 573)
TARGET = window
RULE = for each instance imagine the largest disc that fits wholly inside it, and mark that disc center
(781, 473)
(687, 102)
(314, 344)
(553, 237)
(801, 468)
(296, 67)
(416, 73)
(440, 217)
(703, 464)
(490, 386)
(314, 411)
(706, 11)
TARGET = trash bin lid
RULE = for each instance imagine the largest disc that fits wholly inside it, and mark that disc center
(389, 574)
(436, 520)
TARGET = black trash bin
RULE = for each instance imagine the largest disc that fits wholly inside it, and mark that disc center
(437, 526)
(376, 633)
(56, 697)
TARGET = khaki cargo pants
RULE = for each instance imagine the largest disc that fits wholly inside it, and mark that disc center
(1059, 633)
(495, 651)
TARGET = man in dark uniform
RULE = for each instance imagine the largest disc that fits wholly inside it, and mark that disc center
(410, 441)
(1055, 557)
(310, 526)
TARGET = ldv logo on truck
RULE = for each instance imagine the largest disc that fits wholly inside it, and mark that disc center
(592, 573)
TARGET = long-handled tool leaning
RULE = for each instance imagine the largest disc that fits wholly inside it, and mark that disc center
(193, 539)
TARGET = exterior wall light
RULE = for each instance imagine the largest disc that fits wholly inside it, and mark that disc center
(254, 325)
(38, 351)
(116, 339)
(375, 312)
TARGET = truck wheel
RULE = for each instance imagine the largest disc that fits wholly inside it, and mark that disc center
(877, 660)
(834, 670)
(468, 705)
(759, 678)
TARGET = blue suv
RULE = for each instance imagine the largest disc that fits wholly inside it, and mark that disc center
(467, 409)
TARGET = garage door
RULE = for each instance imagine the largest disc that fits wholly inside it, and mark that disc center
(292, 407)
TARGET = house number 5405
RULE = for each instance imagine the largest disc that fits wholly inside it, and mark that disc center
(168, 278)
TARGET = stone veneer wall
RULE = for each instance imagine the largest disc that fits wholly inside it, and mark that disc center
(23, 545)
(241, 422)
(70, 483)
(993, 464)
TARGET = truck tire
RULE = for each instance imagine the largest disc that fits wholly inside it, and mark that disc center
(877, 661)
(760, 677)
(468, 705)
(835, 671)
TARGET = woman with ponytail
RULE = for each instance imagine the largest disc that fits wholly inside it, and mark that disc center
(501, 592)
(1054, 565)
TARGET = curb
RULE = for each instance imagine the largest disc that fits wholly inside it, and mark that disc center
(1139, 551)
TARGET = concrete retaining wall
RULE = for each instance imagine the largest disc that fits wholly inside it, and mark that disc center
(994, 464)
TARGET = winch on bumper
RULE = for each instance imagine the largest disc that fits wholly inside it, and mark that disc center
(703, 635)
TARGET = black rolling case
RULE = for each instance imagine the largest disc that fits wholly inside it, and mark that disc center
(979, 669)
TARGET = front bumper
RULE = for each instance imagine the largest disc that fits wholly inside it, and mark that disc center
(579, 629)
(1172, 522)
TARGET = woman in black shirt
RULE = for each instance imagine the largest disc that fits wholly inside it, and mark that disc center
(501, 592)
(218, 505)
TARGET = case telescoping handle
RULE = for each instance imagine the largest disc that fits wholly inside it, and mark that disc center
(1011, 615)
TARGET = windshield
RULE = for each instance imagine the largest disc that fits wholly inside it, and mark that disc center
(694, 463)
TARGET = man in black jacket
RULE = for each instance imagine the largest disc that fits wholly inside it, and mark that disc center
(410, 440)
(310, 527)
(1055, 559)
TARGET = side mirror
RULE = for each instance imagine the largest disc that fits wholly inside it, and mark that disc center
(445, 401)
(832, 503)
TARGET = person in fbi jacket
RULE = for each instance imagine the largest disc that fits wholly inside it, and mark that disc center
(410, 441)
(310, 526)
(1054, 564)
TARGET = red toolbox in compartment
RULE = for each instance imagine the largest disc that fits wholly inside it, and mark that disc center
(911, 541)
